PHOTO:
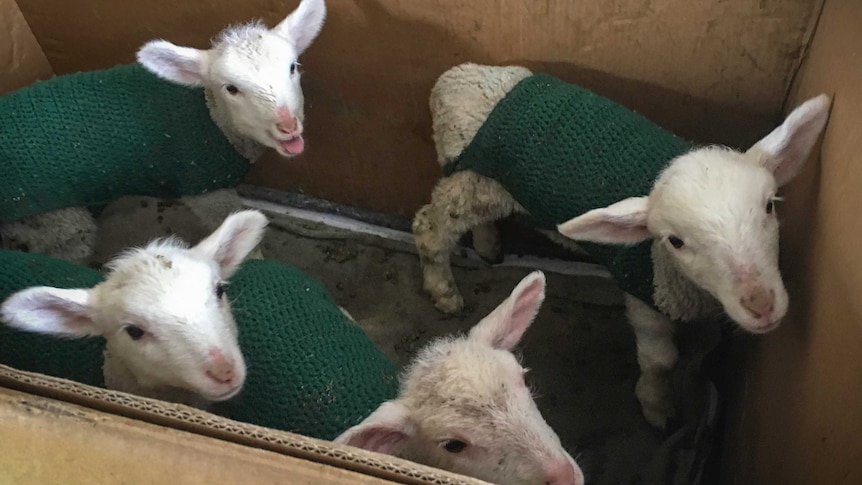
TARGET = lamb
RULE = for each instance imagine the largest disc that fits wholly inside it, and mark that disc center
(687, 234)
(169, 329)
(464, 407)
(251, 92)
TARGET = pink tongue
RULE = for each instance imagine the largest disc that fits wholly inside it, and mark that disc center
(293, 146)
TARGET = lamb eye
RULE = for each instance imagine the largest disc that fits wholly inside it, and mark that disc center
(770, 206)
(292, 67)
(675, 242)
(454, 446)
(219, 290)
(134, 332)
(232, 89)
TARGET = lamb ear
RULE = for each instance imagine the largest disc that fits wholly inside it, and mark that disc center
(237, 236)
(303, 24)
(182, 65)
(56, 311)
(504, 327)
(386, 430)
(786, 149)
(624, 222)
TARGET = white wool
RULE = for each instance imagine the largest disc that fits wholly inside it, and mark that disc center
(471, 389)
(719, 204)
(68, 234)
(169, 328)
(251, 57)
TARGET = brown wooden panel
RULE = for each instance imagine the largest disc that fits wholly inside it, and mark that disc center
(712, 70)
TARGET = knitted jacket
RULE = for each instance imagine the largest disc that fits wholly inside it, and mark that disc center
(85, 139)
(561, 150)
(310, 369)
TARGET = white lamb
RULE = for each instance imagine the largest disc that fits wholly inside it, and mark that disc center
(251, 82)
(169, 329)
(464, 406)
(710, 214)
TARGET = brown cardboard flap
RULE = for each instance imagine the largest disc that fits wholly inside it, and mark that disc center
(185, 418)
(21, 58)
(796, 417)
(54, 442)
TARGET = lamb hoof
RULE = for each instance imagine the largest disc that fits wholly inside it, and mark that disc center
(656, 419)
(450, 305)
(654, 395)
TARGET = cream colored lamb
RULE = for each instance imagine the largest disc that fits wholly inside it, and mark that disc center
(464, 406)
(251, 81)
(710, 216)
(162, 309)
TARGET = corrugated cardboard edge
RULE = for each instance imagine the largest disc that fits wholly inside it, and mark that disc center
(193, 420)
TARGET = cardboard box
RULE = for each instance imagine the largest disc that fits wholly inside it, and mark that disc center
(720, 71)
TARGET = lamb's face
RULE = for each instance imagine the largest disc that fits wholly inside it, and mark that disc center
(169, 322)
(255, 77)
(475, 415)
(162, 310)
(464, 406)
(253, 74)
(715, 212)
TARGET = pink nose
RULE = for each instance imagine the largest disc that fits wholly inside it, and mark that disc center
(286, 127)
(759, 302)
(286, 121)
(563, 473)
(220, 369)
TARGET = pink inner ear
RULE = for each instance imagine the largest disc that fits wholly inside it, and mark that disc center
(378, 438)
(524, 308)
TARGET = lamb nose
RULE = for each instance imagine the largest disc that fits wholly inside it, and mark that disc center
(562, 473)
(287, 126)
(220, 368)
(760, 303)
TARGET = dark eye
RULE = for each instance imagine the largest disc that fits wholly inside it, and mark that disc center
(770, 206)
(135, 332)
(219, 290)
(292, 67)
(454, 446)
(675, 242)
(232, 89)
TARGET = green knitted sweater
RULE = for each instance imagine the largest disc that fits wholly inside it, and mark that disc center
(561, 150)
(310, 369)
(85, 139)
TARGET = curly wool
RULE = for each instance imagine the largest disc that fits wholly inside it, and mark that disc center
(561, 150)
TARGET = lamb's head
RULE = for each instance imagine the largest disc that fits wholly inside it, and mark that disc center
(714, 211)
(162, 310)
(251, 74)
(464, 406)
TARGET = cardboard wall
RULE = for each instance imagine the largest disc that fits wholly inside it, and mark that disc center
(713, 70)
(78, 445)
(797, 415)
(21, 58)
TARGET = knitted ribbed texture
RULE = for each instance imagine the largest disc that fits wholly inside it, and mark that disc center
(562, 150)
(310, 369)
(88, 138)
